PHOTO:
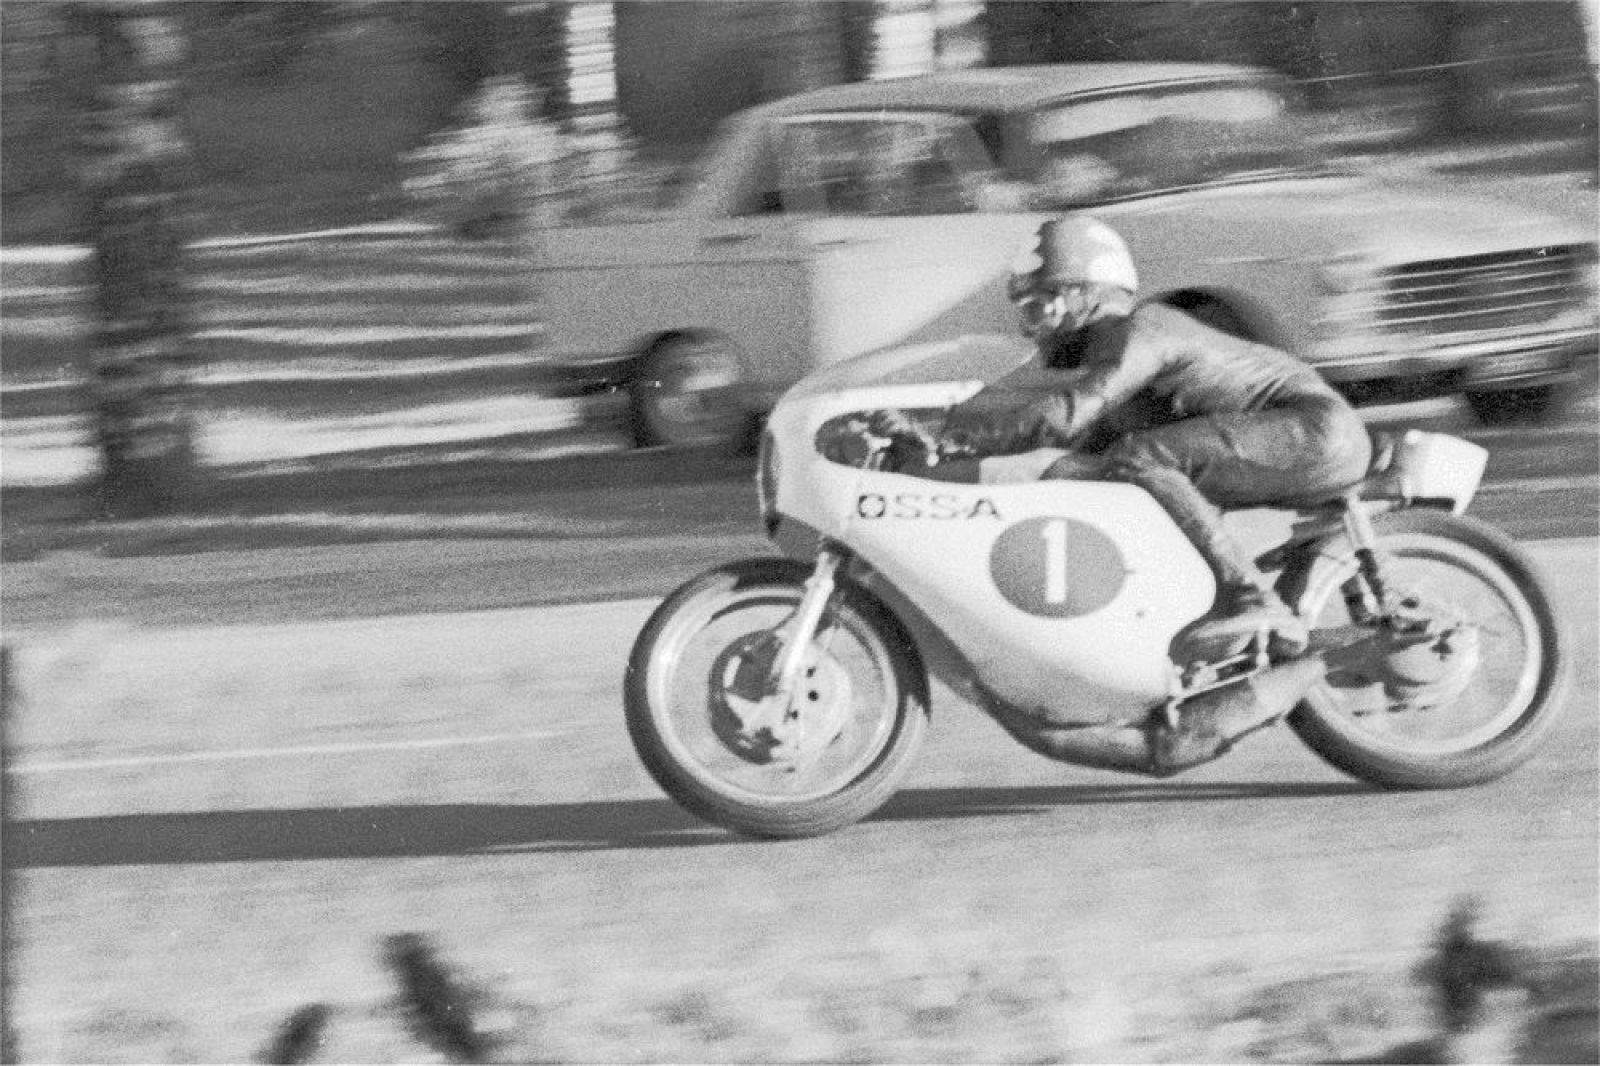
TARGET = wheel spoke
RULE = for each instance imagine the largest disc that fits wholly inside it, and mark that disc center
(1471, 684)
(731, 739)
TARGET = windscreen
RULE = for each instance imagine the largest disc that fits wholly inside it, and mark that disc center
(1143, 142)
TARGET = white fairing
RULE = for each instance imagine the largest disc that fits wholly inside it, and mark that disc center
(1046, 588)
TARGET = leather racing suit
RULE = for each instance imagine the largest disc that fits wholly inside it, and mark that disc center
(1196, 417)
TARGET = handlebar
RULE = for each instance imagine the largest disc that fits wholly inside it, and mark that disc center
(897, 427)
(888, 439)
(899, 435)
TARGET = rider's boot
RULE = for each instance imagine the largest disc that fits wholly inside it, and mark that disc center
(1243, 612)
(1244, 607)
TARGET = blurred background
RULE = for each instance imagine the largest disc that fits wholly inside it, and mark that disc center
(282, 237)
(270, 354)
(307, 114)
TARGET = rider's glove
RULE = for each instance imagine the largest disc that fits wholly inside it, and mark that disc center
(842, 440)
(911, 443)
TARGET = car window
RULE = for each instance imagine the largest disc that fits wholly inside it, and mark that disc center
(1142, 142)
(759, 189)
(870, 166)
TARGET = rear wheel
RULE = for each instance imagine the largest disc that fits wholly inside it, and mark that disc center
(686, 393)
(698, 708)
(1468, 703)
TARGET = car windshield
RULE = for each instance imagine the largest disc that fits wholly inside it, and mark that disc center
(1144, 142)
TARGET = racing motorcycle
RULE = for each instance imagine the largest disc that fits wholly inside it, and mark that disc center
(786, 696)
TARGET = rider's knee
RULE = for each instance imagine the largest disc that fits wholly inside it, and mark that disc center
(1353, 451)
(1344, 451)
(1074, 466)
(1139, 459)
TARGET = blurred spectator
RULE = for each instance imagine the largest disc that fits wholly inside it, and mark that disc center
(484, 178)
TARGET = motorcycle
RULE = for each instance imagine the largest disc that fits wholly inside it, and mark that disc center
(786, 696)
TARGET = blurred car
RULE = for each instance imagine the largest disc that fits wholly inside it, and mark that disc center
(848, 219)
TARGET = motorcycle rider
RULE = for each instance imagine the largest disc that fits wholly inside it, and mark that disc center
(1147, 394)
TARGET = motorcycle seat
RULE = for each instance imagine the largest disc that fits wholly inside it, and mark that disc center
(1378, 483)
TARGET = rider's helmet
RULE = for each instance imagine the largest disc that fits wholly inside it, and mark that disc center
(1075, 256)
(1074, 250)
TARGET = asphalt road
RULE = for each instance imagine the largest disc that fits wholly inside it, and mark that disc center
(217, 824)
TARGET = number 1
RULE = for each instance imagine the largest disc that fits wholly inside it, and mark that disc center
(1055, 561)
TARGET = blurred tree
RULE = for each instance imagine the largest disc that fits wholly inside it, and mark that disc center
(1453, 84)
(535, 44)
(855, 39)
(1479, 53)
(1039, 31)
(260, 41)
(472, 42)
(134, 172)
(1276, 33)
(35, 141)
(463, 39)
(1287, 37)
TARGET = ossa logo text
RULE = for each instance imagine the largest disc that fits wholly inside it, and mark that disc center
(938, 506)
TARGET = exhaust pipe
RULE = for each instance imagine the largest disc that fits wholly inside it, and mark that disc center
(1208, 724)
(1212, 722)
(1103, 747)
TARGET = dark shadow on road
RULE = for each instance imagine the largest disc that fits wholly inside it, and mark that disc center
(979, 802)
(351, 833)
(476, 829)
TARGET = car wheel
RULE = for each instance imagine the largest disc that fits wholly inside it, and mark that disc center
(1532, 402)
(686, 393)
(1218, 316)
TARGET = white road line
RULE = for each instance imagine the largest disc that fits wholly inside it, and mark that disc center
(236, 754)
(331, 336)
(314, 368)
(70, 253)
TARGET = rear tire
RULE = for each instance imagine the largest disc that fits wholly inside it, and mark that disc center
(680, 668)
(1518, 680)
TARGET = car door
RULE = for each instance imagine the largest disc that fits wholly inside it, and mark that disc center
(890, 209)
(725, 266)
(744, 277)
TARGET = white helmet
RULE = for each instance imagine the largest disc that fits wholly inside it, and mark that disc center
(1074, 250)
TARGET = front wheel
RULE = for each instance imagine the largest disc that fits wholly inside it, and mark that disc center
(1466, 702)
(700, 672)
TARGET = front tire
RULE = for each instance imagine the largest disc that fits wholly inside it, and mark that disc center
(1488, 720)
(710, 639)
